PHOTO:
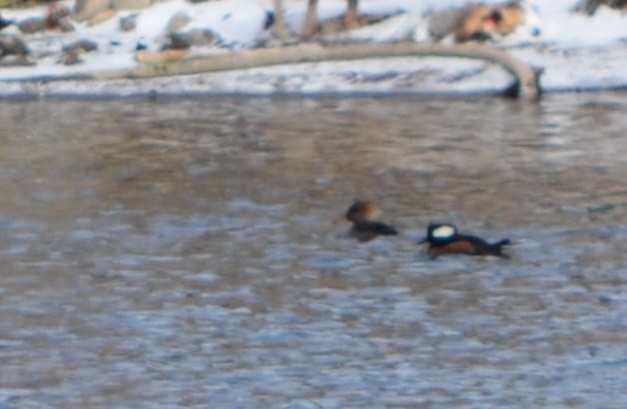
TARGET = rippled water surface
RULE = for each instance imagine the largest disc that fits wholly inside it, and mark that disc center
(189, 253)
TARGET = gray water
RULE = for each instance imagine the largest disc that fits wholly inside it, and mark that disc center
(189, 253)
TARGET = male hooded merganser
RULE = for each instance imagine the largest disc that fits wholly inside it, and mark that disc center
(362, 213)
(444, 239)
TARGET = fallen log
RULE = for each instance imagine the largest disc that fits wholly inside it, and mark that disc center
(525, 84)
(177, 62)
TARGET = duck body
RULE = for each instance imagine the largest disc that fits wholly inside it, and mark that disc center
(367, 230)
(443, 239)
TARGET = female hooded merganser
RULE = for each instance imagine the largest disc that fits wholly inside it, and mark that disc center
(444, 239)
(362, 213)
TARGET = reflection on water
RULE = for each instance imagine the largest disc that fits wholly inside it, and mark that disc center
(188, 253)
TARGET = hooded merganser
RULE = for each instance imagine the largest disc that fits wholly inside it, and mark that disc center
(444, 239)
(361, 214)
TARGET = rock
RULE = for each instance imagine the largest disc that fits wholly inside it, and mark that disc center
(177, 21)
(4, 23)
(590, 6)
(185, 40)
(57, 17)
(71, 52)
(32, 25)
(70, 58)
(87, 9)
(128, 23)
(80, 46)
(12, 45)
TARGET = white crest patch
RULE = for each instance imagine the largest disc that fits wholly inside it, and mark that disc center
(444, 231)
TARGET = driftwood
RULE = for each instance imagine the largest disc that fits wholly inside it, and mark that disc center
(525, 84)
(176, 62)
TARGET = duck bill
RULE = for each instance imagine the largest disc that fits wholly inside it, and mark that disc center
(423, 241)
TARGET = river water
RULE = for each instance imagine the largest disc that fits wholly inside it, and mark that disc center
(189, 253)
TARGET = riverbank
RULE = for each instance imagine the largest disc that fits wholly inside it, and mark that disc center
(575, 51)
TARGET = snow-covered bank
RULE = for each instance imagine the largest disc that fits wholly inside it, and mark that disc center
(575, 51)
